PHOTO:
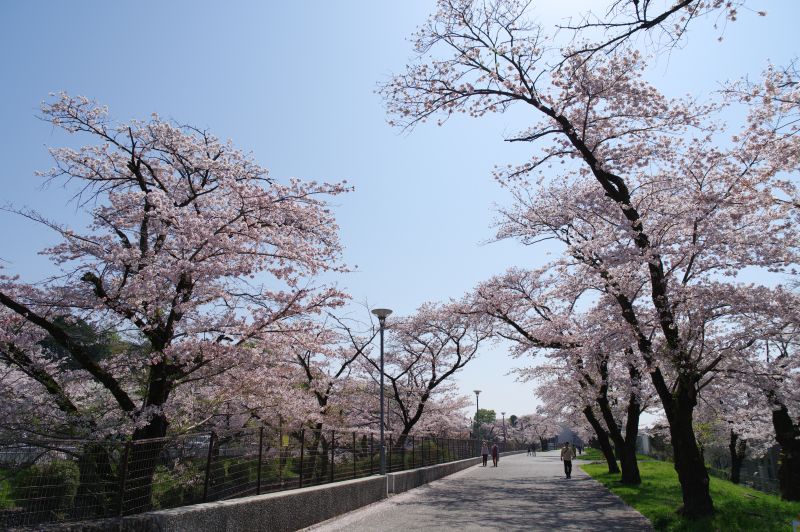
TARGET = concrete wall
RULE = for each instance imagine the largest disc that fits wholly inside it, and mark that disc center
(282, 511)
(406, 480)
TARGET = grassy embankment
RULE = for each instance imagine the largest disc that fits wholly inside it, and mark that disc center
(659, 496)
(592, 454)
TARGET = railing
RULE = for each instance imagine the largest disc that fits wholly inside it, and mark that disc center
(62, 481)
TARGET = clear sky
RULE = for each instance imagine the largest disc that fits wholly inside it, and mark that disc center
(294, 83)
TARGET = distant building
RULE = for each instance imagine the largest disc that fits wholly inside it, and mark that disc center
(643, 442)
(565, 435)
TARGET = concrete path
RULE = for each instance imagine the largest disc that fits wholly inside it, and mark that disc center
(523, 493)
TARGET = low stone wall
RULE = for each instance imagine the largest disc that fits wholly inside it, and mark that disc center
(281, 511)
(406, 480)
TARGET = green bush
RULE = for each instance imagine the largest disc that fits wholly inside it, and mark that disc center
(48, 489)
(178, 487)
(6, 496)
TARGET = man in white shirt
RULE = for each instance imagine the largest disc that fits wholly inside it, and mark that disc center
(567, 454)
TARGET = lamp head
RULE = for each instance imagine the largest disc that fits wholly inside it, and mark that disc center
(476, 392)
(382, 314)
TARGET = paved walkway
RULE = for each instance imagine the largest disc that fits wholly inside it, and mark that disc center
(523, 493)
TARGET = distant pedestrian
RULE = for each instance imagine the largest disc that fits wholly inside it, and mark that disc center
(495, 454)
(529, 450)
(485, 453)
(567, 454)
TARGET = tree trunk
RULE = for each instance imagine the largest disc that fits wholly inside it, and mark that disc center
(400, 442)
(602, 440)
(145, 455)
(625, 445)
(629, 463)
(692, 474)
(737, 448)
(788, 436)
(317, 461)
(92, 498)
(147, 444)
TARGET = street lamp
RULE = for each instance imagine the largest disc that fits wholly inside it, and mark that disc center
(477, 407)
(505, 437)
(382, 314)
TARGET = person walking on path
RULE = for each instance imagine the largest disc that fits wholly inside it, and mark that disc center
(484, 452)
(567, 454)
(495, 454)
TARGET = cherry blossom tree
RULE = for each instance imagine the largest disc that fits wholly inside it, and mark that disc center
(533, 428)
(328, 356)
(771, 373)
(736, 417)
(590, 365)
(655, 207)
(193, 250)
(424, 351)
(619, 22)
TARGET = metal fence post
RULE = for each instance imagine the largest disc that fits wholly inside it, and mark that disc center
(371, 453)
(354, 455)
(333, 450)
(208, 465)
(413, 457)
(389, 468)
(123, 478)
(260, 458)
(302, 450)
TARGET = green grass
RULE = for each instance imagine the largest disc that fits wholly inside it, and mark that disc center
(659, 496)
(592, 454)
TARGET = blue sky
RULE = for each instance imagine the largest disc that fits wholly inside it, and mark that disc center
(294, 83)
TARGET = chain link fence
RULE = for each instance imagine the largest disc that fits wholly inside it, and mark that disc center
(50, 481)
